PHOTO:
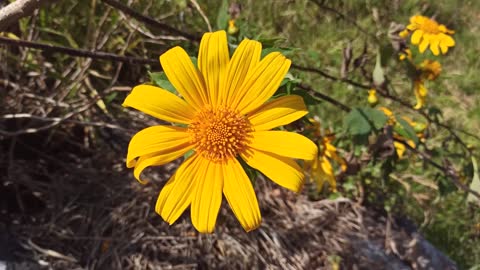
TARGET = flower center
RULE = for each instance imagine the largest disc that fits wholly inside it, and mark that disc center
(430, 26)
(219, 134)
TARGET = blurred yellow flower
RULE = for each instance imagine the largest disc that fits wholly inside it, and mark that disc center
(391, 118)
(404, 33)
(429, 33)
(232, 28)
(405, 54)
(322, 169)
(420, 93)
(399, 141)
(224, 113)
(430, 70)
(372, 97)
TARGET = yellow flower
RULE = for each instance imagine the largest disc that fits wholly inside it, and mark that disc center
(232, 28)
(404, 33)
(430, 70)
(372, 97)
(321, 169)
(420, 93)
(428, 33)
(405, 54)
(400, 147)
(224, 113)
(391, 118)
(399, 141)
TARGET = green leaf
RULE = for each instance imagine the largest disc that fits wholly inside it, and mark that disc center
(194, 61)
(222, 16)
(307, 98)
(110, 97)
(475, 184)
(356, 123)
(378, 118)
(284, 51)
(362, 121)
(188, 154)
(269, 42)
(405, 130)
(160, 79)
(378, 74)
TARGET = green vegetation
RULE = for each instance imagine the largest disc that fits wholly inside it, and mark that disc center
(315, 35)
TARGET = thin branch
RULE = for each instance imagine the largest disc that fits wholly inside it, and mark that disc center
(19, 9)
(387, 95)
(317, 94)
(329, 76)
(344, 17)
(202, 14)
(447, 170)
(78, 52)
(149, 20)
(444, 169)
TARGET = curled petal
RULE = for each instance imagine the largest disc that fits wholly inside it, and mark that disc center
(281, 170)
(159, 103)
(283, 143)
(278, 112)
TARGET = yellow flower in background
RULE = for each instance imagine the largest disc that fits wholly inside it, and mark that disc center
(224, 113)
(429, 33)
(391, 118)
(404, 33)
(322, 169)
(399, 141)
(430, 70)
(405, 54)
(420, 92)
(372, 97)
(232, 28)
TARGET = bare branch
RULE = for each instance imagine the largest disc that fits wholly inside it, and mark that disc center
(149, 20)
(78, 52)
(19, 9)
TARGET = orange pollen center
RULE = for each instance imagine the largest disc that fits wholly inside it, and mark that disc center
(219, 134)
(430, 26)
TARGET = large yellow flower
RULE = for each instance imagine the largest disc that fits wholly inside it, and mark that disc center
(224, 113)
(427, 32)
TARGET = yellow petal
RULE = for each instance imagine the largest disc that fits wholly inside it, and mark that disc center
(324, 172)
(283, 143)
(156, 139)
(184, 76)
(213, 59)
(420, 94)
(434, 46)
(177, 194)
(158, 158)
(278, 112)
(399, 148)
(243, 62)
(447, 40)
(443, 48)
(424, 44)
(208, 197)
(238, 191)
(159, 103)
(417, 35)
(281, 170)
(262, 83)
